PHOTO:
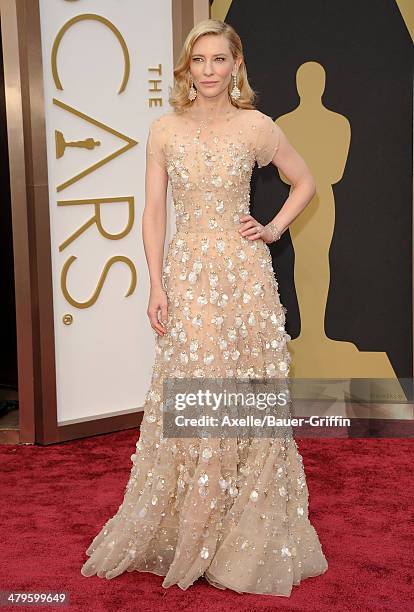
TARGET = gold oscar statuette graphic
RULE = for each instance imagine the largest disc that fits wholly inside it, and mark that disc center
(61, 144)
(313, 353)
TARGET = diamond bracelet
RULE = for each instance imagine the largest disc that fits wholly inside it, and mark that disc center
(276, 233)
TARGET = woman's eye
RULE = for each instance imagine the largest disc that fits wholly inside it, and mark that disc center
(200, 58)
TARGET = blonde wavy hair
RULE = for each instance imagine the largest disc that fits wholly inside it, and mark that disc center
(178, 97)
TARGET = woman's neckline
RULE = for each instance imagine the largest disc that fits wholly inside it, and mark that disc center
(210, 118)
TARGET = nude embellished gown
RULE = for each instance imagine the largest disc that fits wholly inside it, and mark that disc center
(232, 510)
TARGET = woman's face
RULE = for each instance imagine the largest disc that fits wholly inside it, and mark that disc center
(211, 64)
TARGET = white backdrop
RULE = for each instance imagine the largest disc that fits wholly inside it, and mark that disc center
(104, 357)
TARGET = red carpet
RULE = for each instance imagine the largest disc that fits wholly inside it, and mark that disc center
(55, 499)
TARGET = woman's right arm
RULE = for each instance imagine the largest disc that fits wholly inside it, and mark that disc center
(153, 230)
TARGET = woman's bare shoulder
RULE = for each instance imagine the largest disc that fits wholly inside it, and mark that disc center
(257, 115)
(256, 120)
(163, 120)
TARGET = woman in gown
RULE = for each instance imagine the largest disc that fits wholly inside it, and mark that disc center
(232, 510)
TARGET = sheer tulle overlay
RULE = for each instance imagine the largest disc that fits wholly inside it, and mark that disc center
(234, 510)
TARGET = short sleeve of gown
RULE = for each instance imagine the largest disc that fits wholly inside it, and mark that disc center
(155, 140)
(267, 142)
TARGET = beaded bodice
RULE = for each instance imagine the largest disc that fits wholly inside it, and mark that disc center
(210, 166)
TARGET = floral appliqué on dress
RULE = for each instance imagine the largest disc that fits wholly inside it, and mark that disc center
(234, 511)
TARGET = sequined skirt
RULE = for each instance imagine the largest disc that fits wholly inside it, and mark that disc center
(232, 510)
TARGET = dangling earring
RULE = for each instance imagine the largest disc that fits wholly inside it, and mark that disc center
(192, 92)
(235, 92)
